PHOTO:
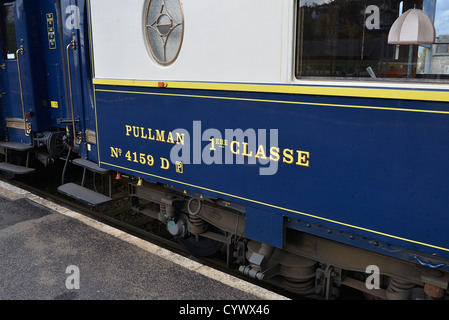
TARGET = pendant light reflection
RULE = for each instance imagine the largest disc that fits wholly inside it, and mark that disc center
(414, 27)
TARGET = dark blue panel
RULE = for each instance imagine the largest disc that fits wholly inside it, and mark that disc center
(53, 50)
(32, 72)
(264, 226)
(375, 167)
(61, 23)
(32, 64)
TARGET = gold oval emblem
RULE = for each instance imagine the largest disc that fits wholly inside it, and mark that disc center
(164, 29)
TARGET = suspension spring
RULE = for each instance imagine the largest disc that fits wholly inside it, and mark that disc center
(197, 225)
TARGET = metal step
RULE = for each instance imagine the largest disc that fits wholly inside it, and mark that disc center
(83, 194)
(16, 146)
(15, 169)
(92, 166)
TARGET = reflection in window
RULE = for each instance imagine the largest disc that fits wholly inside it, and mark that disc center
(8, 32)
(348, 39)
(434, 59)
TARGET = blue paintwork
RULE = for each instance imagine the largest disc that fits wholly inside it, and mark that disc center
(67, 30)
(54, 62)
(377, 177)
(32, 71)
(85, 61)
(375, 173)
(44, 70)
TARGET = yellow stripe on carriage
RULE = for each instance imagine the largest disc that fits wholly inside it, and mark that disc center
(400, 93)
(275, 101)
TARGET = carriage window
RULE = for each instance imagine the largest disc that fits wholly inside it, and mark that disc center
(8, 32)
(349, 39)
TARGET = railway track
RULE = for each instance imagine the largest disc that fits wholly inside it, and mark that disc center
(120, 215)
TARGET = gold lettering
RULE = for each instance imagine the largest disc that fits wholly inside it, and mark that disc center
(143, 136)
(288, 156)
(170, 138)
(261, 153)
(222, 143)
(115, 152)
(136, 131)
(180, 138)
(165, 164)
(160, 135)
(150, 136)
(128, 130)
(303, 158)
(233, 143)
(212, 142)
(245, 150)
(274, 154)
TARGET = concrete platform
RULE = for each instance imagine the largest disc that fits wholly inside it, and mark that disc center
(48, 252)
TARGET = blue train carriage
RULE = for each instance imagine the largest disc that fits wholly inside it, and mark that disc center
(47, 108)
(308, 137)
(22, 84)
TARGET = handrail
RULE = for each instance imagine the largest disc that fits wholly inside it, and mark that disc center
(72, 45)
(26, 125)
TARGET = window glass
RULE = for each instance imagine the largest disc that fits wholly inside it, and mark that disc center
(349, 39)
(8, 32)
(164, 25)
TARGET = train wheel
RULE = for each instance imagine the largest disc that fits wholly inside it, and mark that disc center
(201, 247)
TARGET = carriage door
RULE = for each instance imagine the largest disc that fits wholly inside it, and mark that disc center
(12, 64)
(72, 46)
(2, 67)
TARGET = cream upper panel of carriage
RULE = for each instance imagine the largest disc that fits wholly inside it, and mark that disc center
(189, 40)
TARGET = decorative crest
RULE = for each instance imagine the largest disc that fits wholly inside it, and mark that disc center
(164, 29)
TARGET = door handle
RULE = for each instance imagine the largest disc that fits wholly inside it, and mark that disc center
(26, 124)
(72, 46)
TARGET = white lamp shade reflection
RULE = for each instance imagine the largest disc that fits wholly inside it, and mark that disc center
(412, 27)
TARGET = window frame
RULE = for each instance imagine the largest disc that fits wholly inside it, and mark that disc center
(3, 52)
(437, 81)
